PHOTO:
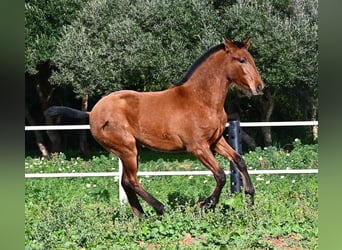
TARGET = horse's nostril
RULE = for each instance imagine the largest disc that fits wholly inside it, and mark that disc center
(259, 88)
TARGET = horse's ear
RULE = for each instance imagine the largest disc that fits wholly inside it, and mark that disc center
(247, 43)
(228, 44)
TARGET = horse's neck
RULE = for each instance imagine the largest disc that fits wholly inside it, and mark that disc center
(209, 82)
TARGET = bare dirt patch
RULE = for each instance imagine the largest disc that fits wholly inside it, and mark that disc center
(189, 240)
(284, 243)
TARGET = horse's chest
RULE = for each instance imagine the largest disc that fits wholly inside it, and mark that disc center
(215, 120)
(212, 125)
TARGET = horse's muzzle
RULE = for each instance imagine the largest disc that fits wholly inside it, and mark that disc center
(258, 90)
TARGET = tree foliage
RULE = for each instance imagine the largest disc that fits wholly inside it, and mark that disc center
(100, 46)
(145, 45)
(285, 42)
(43, 23)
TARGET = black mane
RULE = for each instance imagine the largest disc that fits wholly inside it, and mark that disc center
(200, 60)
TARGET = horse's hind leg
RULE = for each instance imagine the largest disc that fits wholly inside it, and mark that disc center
(224, 149)
(131, 195)
(132, 187)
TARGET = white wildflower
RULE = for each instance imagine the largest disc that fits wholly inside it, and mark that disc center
(293, 181)
(88, 185)
(268, 182)
(282, 177)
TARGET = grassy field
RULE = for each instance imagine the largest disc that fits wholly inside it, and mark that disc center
(85, 213)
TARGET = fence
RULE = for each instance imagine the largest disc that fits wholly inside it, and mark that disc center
(242, 124)
(169, 173)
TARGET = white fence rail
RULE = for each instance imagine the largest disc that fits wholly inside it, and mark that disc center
(168, 173)
(242, 124)
(122, 195)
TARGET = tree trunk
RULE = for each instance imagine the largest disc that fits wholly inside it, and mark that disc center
(314, 118)
(45, 95)
(54, 135)
(38, 134)
(310, 103)
(249, 140)
(267, 106)
(84, 147)
(44, 98)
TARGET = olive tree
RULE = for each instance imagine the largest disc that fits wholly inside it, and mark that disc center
(147, 45)
(141, 45)
(43, 24)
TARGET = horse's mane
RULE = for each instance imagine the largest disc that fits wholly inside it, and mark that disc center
(200, 60)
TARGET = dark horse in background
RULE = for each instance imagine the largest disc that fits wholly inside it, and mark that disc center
(189, 117)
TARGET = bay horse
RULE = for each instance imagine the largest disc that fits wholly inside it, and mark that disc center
(189, 117)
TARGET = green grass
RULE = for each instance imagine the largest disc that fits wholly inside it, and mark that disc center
(85, 213)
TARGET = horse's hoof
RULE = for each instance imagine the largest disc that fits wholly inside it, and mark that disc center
(208, 203)
(251, 201)
(251, 193)
(160, 210)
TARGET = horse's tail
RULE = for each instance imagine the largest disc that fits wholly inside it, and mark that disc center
(66, 111)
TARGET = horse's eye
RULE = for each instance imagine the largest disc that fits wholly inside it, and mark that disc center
(242, 60)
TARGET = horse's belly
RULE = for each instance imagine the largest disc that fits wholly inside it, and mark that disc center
(157, 139)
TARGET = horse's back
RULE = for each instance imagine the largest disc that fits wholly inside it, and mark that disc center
(117, 106)
(148, 117)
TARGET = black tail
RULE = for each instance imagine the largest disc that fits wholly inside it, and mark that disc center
(66, 111)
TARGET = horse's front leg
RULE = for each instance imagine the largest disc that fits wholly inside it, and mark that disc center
(205, 155)
(224, 149)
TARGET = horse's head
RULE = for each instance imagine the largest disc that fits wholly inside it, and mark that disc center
(242, 70)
